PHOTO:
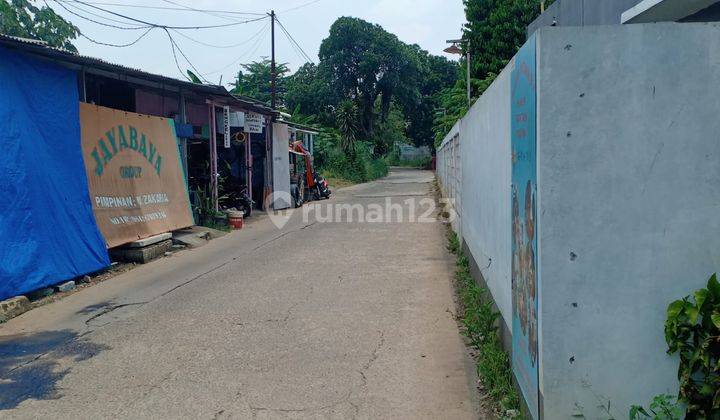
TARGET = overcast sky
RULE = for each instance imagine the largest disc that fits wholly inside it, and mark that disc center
(428, 23)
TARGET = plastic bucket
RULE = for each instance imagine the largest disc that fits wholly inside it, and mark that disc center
(235, 219)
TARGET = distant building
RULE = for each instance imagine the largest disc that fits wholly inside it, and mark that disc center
(615, 12)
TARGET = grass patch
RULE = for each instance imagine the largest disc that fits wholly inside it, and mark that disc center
(422, 163)
(337, 182)
(478, 322)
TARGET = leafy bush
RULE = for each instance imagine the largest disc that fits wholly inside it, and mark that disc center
(663, 407)
(357, 165)
(479, 325)
(692, 330)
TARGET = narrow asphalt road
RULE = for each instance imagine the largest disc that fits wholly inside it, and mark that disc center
(314, 320)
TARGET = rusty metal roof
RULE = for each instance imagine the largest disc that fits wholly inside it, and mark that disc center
(82, 62)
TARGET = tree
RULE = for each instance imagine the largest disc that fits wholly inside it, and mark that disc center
(346, 116)
(437, 74)
(22, 19)
(362, 62)
(255, 81)
(495, 30)
(309, 94)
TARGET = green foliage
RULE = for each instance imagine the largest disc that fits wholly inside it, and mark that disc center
(255, 81)
(495, 30)
(309, 93)
(389, 132)
(663, 407)
(452, 105)
(193, 77)
(479, 325)
(346, 116)
(363, 62)
(692, 330)
(359, 166)
(23, 19)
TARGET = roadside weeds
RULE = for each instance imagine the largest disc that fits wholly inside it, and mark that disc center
(478, 323)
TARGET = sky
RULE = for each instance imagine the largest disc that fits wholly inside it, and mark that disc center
(428, 23)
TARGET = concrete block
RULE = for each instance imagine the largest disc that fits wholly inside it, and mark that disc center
(41, 293)
(141, 255)
(141, 243)
(66, 287)
(191, 239)
(13, 307)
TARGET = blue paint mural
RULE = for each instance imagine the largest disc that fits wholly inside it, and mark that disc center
(524, 225)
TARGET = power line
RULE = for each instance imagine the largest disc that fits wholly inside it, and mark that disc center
(174, 43)
(218, 46)
(200, 11)
(260, 37)
(292, 41)
(185, 9)
(117, 45)
(177, 64)
(300, 6)
(165, 26)
(95, 21)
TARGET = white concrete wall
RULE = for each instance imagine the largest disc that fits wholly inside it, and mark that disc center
(628, 198)
(485, 192)
(448, 172)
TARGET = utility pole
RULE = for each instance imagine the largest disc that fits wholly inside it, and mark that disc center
(273, 93)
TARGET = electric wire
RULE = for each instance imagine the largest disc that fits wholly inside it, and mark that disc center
(175, 44)
(166, 26)
(188, 8)
(300, 6)
(117, 45)
(247, 41)
(141, 6)
(95, 21)
(292, 40)
(260, 37)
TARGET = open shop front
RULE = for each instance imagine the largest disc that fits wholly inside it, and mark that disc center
(234, 150)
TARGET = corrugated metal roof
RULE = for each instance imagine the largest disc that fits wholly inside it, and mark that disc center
(41, 48)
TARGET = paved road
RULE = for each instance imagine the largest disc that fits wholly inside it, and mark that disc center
(315, 320)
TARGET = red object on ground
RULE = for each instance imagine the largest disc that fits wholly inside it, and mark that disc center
(236, 221)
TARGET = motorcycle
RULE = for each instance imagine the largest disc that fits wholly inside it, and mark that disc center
(322, 188)
(240, 200)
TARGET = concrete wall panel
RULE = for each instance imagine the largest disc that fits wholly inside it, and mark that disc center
(485, 140)
(629, 162)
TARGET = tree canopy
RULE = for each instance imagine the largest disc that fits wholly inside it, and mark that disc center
(23, 19)
(254, 81)
(495, 30)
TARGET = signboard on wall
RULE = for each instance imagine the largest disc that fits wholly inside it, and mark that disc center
(525, 279)
(137, 186)
(226, 126)
(253, 123)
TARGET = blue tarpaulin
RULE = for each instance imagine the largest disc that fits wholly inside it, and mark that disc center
(47, 228)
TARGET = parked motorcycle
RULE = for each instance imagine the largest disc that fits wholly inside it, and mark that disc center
(239, 200)
(322, 188)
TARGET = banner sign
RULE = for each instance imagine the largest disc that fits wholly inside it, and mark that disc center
(237, 119)
(226, 126)
(525, 281)
(137, 186)
(253, 123)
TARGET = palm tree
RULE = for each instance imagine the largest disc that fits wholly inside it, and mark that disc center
(346, 116)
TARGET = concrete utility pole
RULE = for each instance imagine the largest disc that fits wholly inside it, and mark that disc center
(273, 99)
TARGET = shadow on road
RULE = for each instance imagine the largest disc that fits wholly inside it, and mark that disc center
(32, 364)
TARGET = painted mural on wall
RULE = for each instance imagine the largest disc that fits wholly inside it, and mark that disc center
(137, 186)
(524, 226)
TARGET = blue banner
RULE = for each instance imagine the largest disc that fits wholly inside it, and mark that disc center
(47, 228)
(524, 225)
